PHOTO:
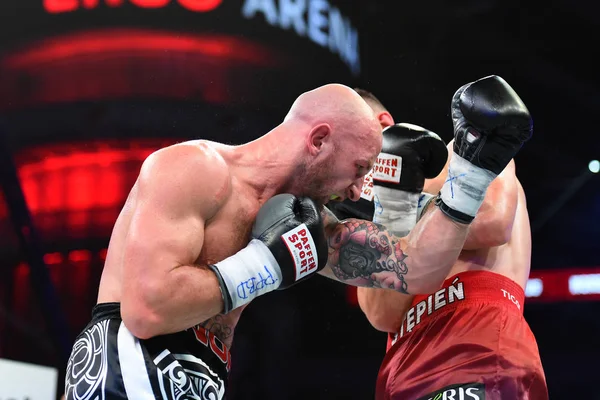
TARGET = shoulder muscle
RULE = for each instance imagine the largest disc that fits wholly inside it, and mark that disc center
(192, 175)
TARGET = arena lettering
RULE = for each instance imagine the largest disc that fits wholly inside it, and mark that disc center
(321, 22)
(211, 341)
(432, 303)
(511, 298)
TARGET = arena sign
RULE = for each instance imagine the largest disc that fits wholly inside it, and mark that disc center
(316, 20)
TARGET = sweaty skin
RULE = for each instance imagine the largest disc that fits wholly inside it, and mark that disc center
(499, 240)
(194, 203)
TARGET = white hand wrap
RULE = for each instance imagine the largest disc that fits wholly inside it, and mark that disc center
(465, 186)
(251, 272)
(395, 209)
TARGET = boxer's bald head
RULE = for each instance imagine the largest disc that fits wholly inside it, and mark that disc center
(340, 138)
(329, 103)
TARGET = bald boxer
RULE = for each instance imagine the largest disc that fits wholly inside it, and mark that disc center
(469, 339)
(206, 228)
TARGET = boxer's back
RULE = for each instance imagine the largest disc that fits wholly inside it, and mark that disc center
(512, 259)
(225, 233)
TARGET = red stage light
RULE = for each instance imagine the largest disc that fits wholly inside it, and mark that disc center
(131, 63)
(62, 6)
(59, 179)
(80, 255)
(132, 42)
(73, 191)
(53, 258)
(200, 5)
(3, 208)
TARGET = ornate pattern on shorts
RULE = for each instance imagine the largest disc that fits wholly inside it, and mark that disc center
(184, 376)
(88, 364)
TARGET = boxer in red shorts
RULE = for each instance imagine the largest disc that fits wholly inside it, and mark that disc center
(469, 339)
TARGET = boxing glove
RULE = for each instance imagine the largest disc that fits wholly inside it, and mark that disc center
(361, 209)
(491, 123)
(409, 155)
(288, 245)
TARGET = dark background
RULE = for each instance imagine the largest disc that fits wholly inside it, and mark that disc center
(61, 116)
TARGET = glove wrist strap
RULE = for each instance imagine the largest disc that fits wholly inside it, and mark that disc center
(251, 272)
(465, 187)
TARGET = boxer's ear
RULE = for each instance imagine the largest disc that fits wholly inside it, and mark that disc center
(318, 137)
(385, 119)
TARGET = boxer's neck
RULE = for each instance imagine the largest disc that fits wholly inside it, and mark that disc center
(268, 164)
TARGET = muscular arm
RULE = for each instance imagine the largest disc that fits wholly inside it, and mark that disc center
(492, 225)
(363, 253)
(163, 291)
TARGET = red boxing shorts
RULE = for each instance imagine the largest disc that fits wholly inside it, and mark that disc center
(467, 341)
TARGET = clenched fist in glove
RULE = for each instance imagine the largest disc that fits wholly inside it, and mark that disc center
(491, 123)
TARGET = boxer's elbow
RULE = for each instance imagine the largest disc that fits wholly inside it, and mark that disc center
(383, 323)
(141, 313)
(384, 309)
(499, 233)
(141, 324)
(493, 233)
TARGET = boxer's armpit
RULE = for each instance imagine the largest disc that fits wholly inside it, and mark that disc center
(366, 254)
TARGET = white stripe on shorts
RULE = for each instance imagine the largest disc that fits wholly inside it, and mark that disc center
(133, 367)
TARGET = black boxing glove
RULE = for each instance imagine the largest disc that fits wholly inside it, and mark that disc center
(491, 124)
(422, 153)
(361, 209)
(288, 246)
(409, 155)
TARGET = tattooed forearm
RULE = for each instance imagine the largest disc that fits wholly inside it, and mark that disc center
(365, 251)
